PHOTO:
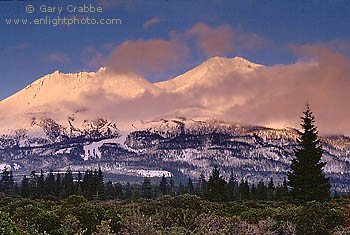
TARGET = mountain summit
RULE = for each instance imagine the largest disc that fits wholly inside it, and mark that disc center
(104, 93)
(206, 73)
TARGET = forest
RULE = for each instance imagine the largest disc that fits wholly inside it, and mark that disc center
(63, 203)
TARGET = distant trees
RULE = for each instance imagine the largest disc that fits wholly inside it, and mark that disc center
(306, 178)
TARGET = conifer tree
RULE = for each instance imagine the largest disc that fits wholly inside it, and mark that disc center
(261, 191)
(58, 188)
(233, 193)
(163, 186)
(100, 189)
(147, 188)
(306, 178)
(118, 189)
(171, 186)
(136, 191)
(189, 187)
(50, 183)
(41, 184)
(128, 192)
(285, 189)
(181, 189)
(201, 186)
(79, 184)
(271, 190)
(110, 191)
(25, 189)
(68, 185)
(216, 187)
(253, 195)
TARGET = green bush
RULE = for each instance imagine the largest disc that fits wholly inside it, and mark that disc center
(7, 226)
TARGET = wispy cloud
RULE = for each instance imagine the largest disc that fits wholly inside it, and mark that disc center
(147, 57)
(149, 23)
(58, 58)
(223, 40)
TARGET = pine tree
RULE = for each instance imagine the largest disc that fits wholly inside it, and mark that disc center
(163, 186)
(171, 186)
(5, 182)
(216, 187)
(147, 188)
(110, 191)
(11, 184)
(136, 191)
(189, 187)
(100, 185)
(25, 189)
(79, 184)
(128, 192)
(33, 182)
(261, 191)
(181, 189)
(50, 183)
(253, 195)
(201, 187)
(58, 188)
(271, 190)
(244, 190)
(306, 178)
(41, 184)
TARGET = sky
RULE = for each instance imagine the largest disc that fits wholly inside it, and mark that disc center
(160, 39)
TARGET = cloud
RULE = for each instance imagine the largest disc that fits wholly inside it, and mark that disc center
(58, 58)
(223, 40)
(20, 46)
(272, 95)
(93, 57)
(149, 23)
(147, 57)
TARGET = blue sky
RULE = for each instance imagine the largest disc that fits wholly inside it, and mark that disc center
(189, 31)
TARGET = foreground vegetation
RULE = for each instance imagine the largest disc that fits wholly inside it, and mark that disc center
(184, 214)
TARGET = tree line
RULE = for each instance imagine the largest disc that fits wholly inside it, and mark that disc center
(91, 185)
(306, 180)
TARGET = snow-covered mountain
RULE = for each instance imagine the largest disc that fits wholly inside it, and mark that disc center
(129, 126)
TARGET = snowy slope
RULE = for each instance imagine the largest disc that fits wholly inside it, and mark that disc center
(208, 72)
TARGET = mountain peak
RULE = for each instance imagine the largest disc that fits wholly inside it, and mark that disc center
(238, 63)
(203, 73)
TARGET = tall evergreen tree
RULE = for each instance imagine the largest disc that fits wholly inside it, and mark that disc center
(128, 192)
(136, 191)
(244, 190)
(285, 189)
(50, 183)
(271, 190)
(163, 186)
(79, 184)
(189, 187)
(171, 186)
(216, 187)
(261, 191)
(68, 185)
(41, 184)
(147, 188)
(253, 194)
(58, 188)
(33, 182)
(181, 189)
(100, 190)
(25, 189)
(233, 192)
(306, 178)
(5, 183)
(201, 187)
(110, 191)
